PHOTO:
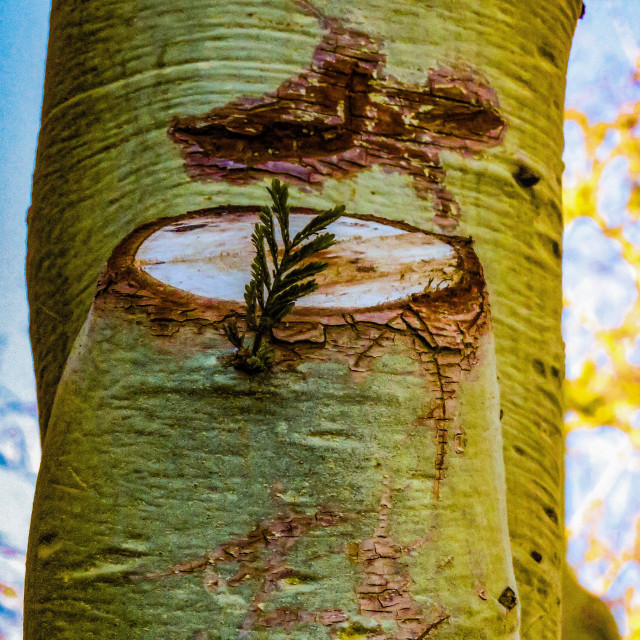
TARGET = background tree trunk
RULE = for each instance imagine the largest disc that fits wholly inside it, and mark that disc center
(445, 118)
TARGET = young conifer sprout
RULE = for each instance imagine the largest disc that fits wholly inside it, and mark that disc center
(279, 276)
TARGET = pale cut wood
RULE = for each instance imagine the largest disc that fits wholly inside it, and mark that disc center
(371, 263)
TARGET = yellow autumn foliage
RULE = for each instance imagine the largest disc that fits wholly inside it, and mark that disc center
(607, 389)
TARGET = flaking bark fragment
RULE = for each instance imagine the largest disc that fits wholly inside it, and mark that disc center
(342, 114)
(261, 557)
(384, 593)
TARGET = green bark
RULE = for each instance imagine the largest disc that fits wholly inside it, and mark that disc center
(205, 455)
(155, 455)
(584, 616)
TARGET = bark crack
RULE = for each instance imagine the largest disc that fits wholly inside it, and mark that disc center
(384, 594)
(261, 558)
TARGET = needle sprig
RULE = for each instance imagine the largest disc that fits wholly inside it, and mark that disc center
(281, 274)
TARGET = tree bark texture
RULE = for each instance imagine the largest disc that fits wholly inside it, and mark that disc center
(358, 490)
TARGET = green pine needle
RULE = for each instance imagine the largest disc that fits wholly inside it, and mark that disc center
(279, 276)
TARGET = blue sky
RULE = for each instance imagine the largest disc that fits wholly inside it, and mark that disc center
(23, 37)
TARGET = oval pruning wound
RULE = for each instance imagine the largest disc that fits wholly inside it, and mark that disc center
(371, 263)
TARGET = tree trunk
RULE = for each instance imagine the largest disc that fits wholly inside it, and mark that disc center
(357, 489)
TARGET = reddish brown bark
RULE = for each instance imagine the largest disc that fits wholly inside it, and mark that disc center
(342, 114)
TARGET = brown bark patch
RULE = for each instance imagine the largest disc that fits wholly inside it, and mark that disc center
(384, 594)
(260, 557)
(342, 114)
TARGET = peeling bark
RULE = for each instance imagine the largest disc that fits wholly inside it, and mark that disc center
(385, 591)
(343, 114)
(276, 537)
